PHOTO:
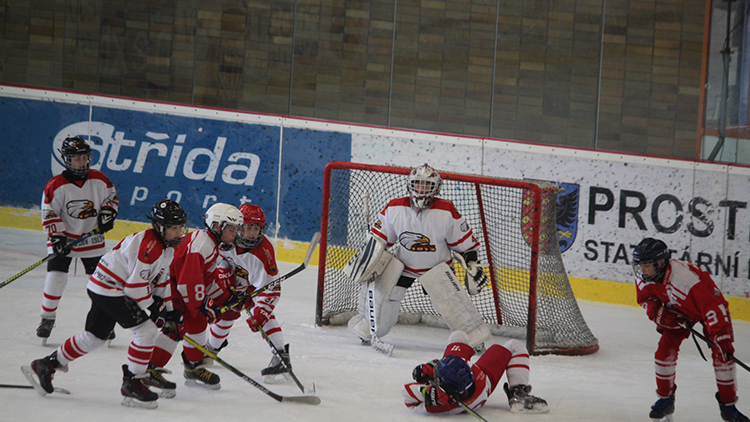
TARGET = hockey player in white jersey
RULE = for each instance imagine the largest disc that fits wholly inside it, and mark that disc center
(426, 231)
(75, 202)
(250, 266)
(130, 287)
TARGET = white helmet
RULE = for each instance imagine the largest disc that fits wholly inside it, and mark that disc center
(222, 215)
(423, 185)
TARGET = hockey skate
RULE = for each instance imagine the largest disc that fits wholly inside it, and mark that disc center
(196, 376)
(277, 372)
(730, 413)
(520, 401)
(480, 348)
(45, 329)
(663, 409)
(167, 388)
(41, 372)
(135, 391)
(208, 361)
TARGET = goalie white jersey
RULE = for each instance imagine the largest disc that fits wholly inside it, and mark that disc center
(425, 238)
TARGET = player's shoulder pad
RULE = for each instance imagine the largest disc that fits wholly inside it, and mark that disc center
(445, 205)
(52, 185)
(97, 175)
(266, 253)
(151, 247)
(399, 202)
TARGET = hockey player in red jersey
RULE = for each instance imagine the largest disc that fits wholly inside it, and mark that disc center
(443, 385)
(250, 266)
(191, 274)
(75, 202)
(675, 293)
(130, 288)
(428, 232)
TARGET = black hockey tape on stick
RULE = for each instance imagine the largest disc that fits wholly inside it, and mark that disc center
(50, 256)
(313, 243)
(711, 344)
(314, 400)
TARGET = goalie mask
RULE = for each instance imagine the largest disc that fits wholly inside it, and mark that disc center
(218, 218)
(76, 155)
(168, 213)
(253, 217)
(650, 260)
(423, 185)
(453, 375)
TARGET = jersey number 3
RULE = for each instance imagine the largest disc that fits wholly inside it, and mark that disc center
(712, 318)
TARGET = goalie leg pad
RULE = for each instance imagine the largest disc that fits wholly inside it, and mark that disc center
(454, 305)
(368, 262)
(379, 302)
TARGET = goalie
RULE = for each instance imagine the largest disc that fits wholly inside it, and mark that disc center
(426, 230)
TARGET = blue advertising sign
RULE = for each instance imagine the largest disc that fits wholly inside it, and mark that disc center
(195, 161)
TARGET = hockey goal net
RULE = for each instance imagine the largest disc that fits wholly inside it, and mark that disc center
(530, 295)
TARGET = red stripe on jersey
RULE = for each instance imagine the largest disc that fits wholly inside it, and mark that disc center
(470, 233)
(103, 285)
(110, 273)
(445, 205)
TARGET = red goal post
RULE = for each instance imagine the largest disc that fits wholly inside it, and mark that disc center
(515, 221)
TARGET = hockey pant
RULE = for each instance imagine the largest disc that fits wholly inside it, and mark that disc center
(57, 280)
(195, 328)
(665, 362)
(105, 312)
(453, 304)
(379, 302)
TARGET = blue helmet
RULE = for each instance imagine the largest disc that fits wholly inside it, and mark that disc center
(454, 376)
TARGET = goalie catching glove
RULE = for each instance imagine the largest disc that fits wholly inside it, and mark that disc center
(476, 279)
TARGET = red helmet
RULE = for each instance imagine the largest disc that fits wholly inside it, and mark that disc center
(252, 214)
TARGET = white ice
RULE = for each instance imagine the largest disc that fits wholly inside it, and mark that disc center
(354, 382)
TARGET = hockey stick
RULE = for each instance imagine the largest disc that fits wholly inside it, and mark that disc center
(29, 387)
(313, 243)
(711, 344)
(285, 362)
(281, 399)
(468, 410)
(50, 256)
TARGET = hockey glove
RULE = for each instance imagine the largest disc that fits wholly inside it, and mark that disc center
(669, 318)
(723, 345)
(260, 318)
(106, 219)
(170, 323)
(476, 279)
(58, 241)
(425, 372)
(434, 396)
(211, 312)
(155, 308)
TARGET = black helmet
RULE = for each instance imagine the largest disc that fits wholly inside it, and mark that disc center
(651, 251)
(72, 147)
(167, 213)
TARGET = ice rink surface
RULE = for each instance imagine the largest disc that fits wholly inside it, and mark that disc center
(354, 382)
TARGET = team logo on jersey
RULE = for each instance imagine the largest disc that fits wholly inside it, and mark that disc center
(50, 214)
(416, 242)
(80, 209)
(144, 274)
(378, 225)
(240, 272)
(464, 227)
(566, 216)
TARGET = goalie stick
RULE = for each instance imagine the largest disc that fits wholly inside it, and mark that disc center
(50, 256)
(286, 363)
(313, 243)
(314, 400)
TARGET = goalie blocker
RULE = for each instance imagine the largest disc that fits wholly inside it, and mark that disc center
(379, 271)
